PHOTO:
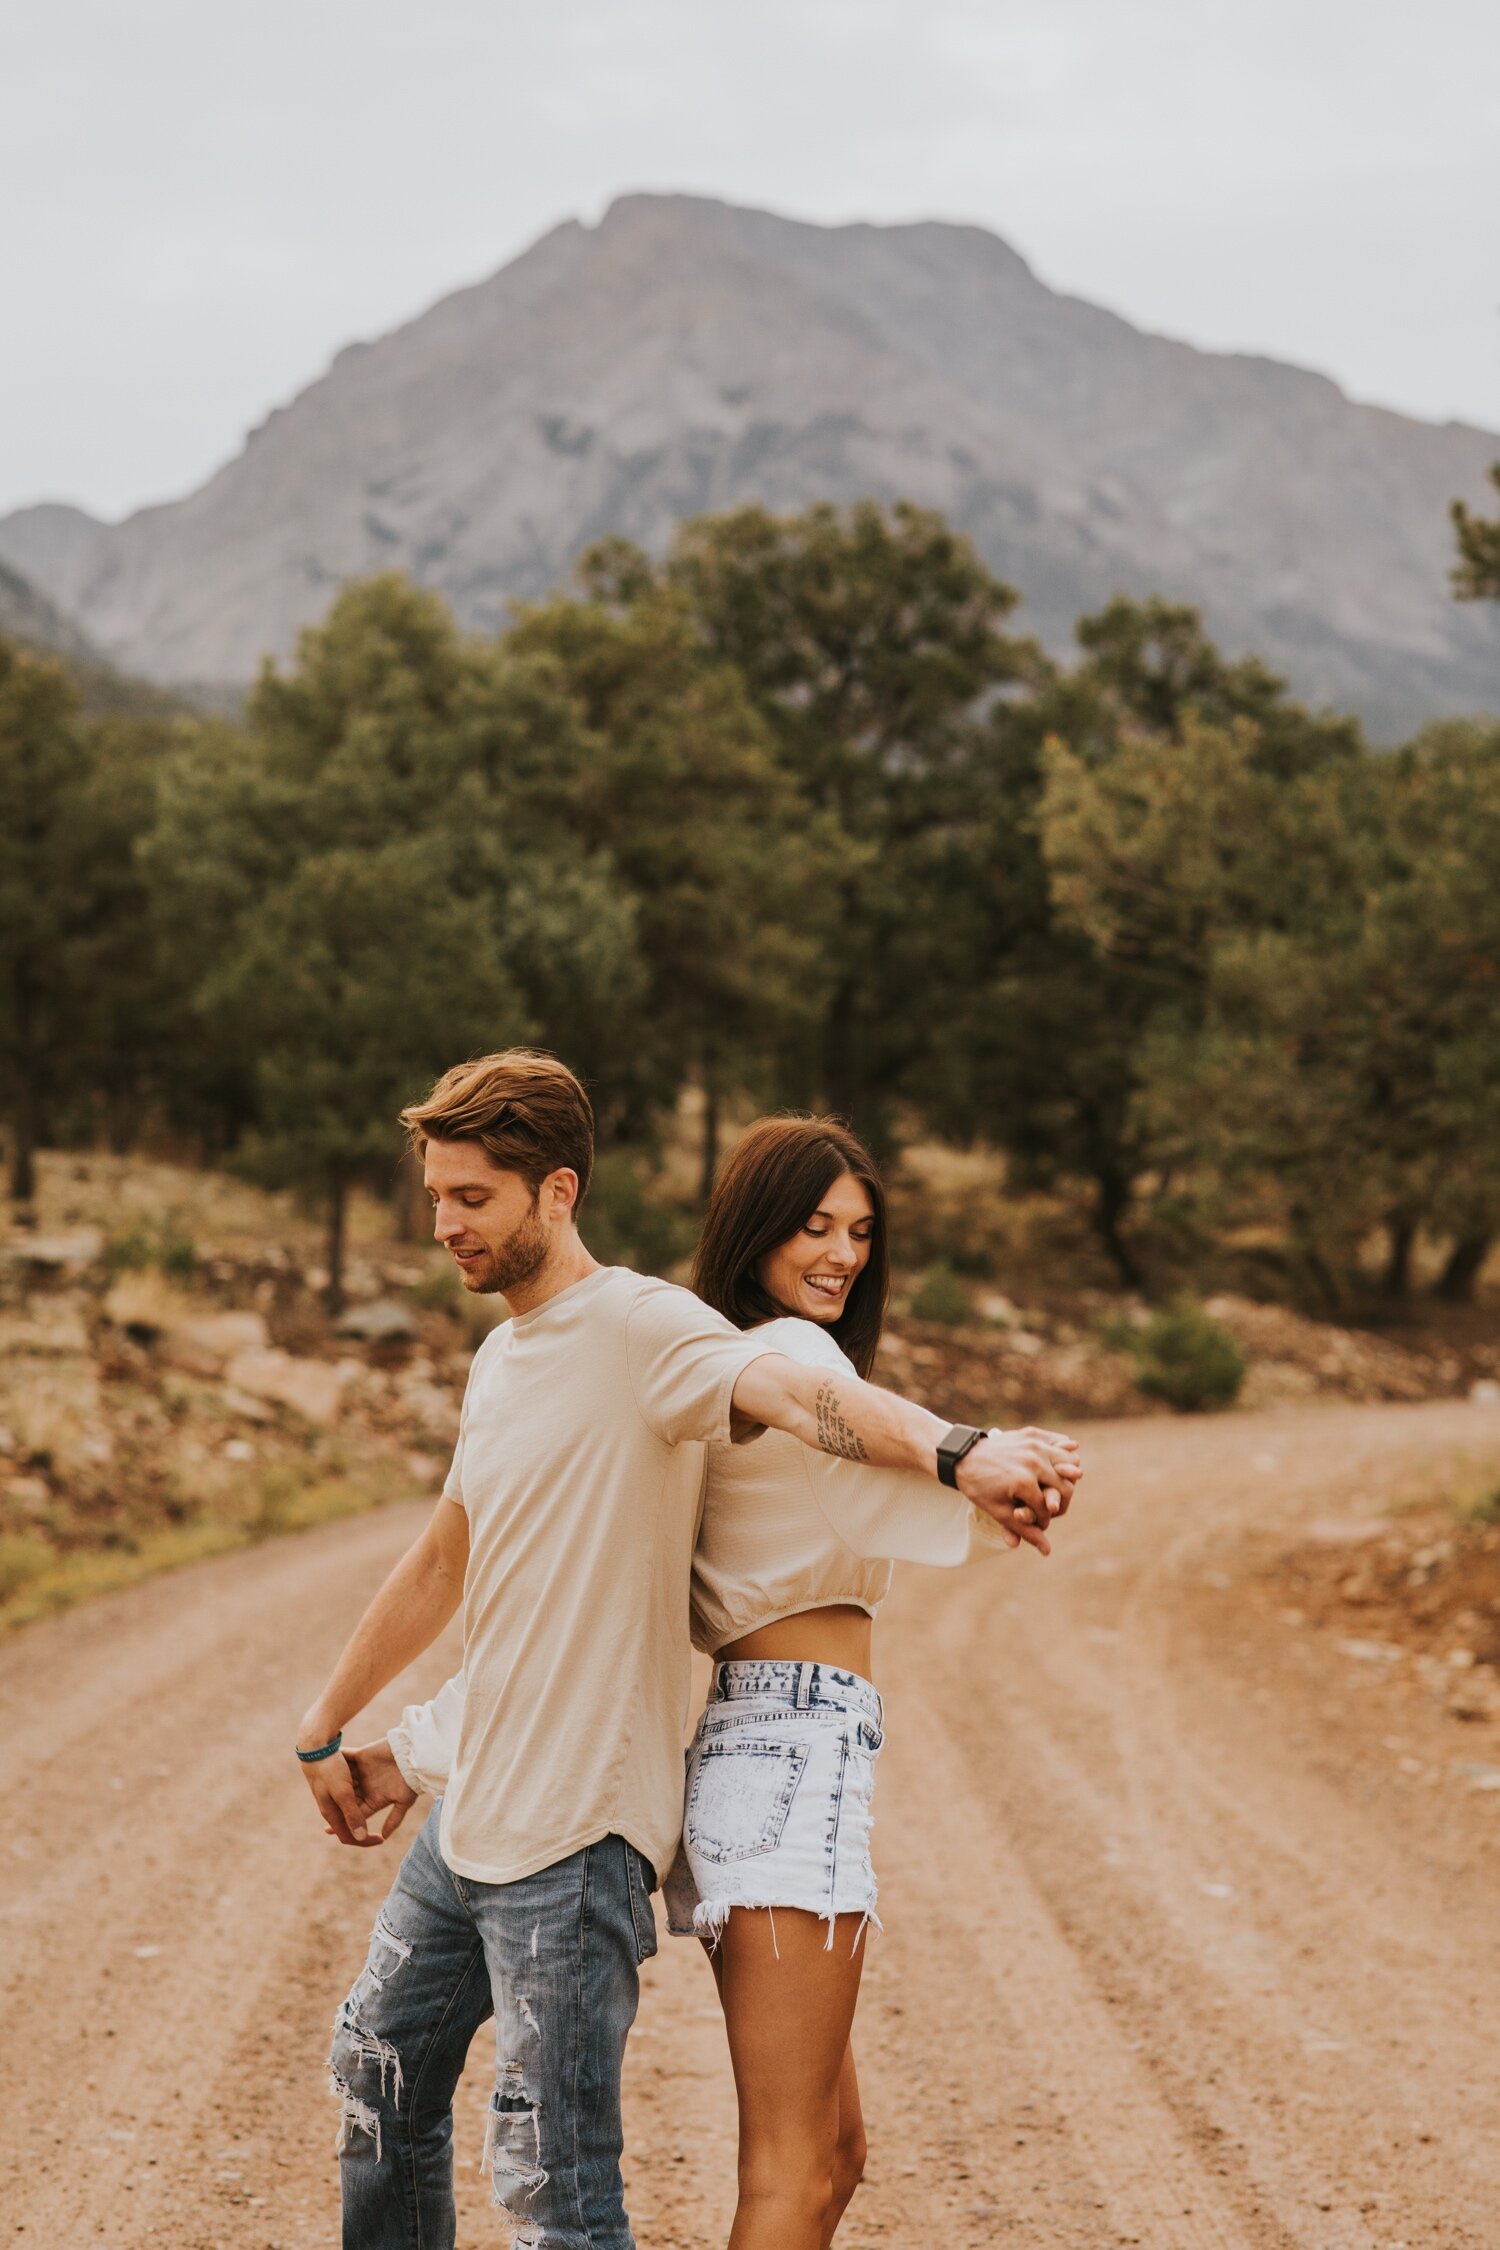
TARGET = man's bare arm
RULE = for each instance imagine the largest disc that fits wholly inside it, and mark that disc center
(1022, 1478)
(412, 1607)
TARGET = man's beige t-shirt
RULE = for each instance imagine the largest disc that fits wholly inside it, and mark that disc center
(580, 1464)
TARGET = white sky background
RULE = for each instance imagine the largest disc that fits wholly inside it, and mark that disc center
(204, 202)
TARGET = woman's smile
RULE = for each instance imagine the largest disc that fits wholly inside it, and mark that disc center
(830, 1285)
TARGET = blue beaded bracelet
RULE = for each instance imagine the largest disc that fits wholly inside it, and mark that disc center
(311, 1757)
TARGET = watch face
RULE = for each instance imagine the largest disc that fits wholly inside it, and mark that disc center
(951, 1450)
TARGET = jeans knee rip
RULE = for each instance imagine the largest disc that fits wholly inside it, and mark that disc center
(513, 2144)
(358, 2051)
(386, 1941)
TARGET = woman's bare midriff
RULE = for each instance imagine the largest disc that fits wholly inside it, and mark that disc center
(839, 1635)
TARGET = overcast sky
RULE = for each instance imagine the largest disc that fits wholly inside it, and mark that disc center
(205, 202)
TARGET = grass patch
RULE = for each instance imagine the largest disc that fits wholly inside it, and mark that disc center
(290, 1501)
(37, 1581)
(1478, 1504)
(81, 1576)
(1457, 1484)
(24, 1557)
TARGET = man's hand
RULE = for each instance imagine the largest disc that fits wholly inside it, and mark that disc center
(380, 1787)
(406, 1616)
(1023, 1479)
(337, 1795)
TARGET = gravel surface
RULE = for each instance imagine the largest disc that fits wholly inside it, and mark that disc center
(1191, 1924)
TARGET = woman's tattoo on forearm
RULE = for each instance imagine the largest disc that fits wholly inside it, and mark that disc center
(834, 1433)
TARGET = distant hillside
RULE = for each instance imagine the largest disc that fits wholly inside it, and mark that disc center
(27, 615)
(685, 355)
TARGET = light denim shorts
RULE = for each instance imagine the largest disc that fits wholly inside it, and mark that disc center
(780, 1780)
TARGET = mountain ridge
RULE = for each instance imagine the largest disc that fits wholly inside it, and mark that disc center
(28, 615)
(685, 354)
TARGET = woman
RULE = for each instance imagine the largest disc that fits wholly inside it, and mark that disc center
(793, 1560)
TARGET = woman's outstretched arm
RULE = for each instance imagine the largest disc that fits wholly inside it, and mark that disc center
(1023, 1478)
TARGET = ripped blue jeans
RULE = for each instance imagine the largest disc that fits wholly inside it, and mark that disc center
(554, 1959)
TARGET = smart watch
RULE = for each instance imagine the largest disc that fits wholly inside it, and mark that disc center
(952, 1446)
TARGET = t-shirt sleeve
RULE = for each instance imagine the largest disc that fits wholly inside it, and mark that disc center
(684, 1361)
(424, 1740)
(804, 1341)
(453, 1482)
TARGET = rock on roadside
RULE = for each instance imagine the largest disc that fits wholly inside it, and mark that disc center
(386, 1321)
(310, 1387)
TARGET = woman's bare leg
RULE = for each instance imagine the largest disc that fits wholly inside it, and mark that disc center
(849, 2150)
(851, 2147)
(788, 2006)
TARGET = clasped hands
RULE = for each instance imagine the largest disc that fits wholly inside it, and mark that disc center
(354, 1787)
(1024, 1480)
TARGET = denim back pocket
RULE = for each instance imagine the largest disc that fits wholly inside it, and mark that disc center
(739, 1797)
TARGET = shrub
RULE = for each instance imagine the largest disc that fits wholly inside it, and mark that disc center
(441, 1290)
(941, 1295)
(969, 1254)
(160, 1243)
(1117, 1332)
(438, 1291)
(1188, 1358)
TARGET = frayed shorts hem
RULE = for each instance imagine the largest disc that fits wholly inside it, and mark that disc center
(711, 1915)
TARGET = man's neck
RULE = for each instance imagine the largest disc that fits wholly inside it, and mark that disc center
(570, 1263)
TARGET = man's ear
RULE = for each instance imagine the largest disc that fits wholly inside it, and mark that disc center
(561, 1191)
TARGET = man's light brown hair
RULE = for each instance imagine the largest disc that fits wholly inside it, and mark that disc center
(525, 1109)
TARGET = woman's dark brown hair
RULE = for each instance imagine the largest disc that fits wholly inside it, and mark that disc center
(770, 1186)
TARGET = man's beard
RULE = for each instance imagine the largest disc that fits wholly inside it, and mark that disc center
(518, 1258)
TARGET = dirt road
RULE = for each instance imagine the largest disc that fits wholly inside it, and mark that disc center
(1192, 1927)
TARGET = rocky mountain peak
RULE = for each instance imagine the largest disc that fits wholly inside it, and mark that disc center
(683, 354)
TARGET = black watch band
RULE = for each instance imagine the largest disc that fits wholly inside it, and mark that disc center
(952, 1446)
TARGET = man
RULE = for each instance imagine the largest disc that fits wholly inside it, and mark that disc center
(566, 1528)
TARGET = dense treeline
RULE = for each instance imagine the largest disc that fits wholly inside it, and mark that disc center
(793, 815)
